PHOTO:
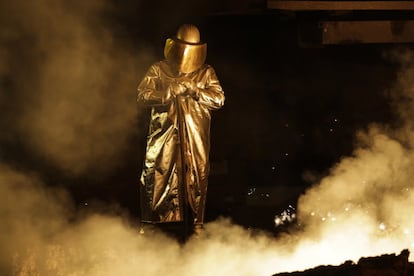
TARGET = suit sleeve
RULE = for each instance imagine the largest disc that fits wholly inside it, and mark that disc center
(150, 90)
(211, 94)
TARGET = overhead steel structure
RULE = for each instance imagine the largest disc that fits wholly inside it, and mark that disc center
(353, 22)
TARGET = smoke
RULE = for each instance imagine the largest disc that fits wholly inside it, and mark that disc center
(68, 83)
(29, 213)
(365, 206)
(42, 235)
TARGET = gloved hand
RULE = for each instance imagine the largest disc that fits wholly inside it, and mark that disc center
(190, 85)
(175, 89)
(192, 89)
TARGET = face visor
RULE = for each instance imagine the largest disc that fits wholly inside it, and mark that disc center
(184, 56)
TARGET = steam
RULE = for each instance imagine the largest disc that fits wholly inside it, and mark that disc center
(368, 197)
(71, 83)
(41, 235)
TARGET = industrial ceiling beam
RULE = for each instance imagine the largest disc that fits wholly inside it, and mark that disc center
(293, 5)
(356, 32)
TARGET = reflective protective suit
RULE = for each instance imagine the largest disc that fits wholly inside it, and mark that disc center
(180, 125)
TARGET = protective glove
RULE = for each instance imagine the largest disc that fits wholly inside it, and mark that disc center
(192, 89)
(175, 89)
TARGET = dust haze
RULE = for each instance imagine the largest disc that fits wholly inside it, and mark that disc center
(69, 84)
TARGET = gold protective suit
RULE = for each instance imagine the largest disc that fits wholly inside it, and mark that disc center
(179, 126)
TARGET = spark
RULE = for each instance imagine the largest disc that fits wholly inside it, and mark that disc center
(251, 191)
(287, 216)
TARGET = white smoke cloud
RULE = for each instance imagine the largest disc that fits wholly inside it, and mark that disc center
(40, 235)
(73, 83)
(29, 214)
(366, 199)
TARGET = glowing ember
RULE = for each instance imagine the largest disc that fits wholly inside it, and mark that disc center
(285, 217)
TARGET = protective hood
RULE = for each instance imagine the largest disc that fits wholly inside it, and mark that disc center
(186, 57)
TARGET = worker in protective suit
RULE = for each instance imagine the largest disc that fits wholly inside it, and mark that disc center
(182, 91)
